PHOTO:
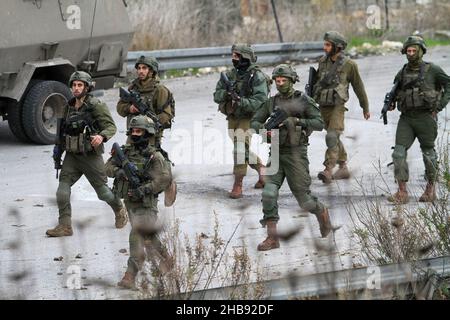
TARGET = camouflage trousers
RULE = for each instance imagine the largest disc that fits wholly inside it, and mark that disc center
(144, 240)
(333, 118)
(93, 168)
(242, 138)
(294, 167)
(420, 125)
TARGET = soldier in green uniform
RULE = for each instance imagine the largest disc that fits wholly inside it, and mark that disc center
(154, 94)
(161, 102)
(142, 203)
(331, 91)
(251, 90)
(88, 125)
(423, 91)
(304, 118)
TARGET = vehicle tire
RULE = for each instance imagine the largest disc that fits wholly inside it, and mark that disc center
(15, 122)
(42, 106)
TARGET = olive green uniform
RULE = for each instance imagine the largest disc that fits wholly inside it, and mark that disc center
(293, 153)
(430, 93)
(154, 172)
(81, 159)
(331, 92)
(156, 96)
(252, 87)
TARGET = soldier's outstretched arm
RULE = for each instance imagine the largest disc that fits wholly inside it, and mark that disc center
(105, 121)
(444, 82)
(160, 174)
(220, 94)
(260, 116)
(111, 168)
(313, 119)
(161, 100)
(259, 96)
(358, 87)
(123, 108)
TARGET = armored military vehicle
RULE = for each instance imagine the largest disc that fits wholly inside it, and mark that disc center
(41, 43)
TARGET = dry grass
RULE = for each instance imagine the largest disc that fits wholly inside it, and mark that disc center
(166, 24)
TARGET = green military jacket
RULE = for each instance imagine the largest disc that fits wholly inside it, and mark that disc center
(332, 88)
(153, 169)
(429, 92)
(97, 115)
(250, 85)
(155, 95)
(297, 105)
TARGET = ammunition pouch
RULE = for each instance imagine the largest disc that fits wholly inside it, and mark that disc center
(79, 144)
(417, 99)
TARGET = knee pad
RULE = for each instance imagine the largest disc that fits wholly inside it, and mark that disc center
(332, 139)
(399, 153)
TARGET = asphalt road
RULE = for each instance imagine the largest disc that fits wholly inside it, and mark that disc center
(199, 147)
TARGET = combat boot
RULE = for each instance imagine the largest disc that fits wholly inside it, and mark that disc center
(430, 193)
(326, 175)
(271, 241)
(401, 196)
(61, 230)
(236, 193)
(342, 173)
(170, 194)
(261, 181)
(121, 218)
(128, 281)
(324, 223)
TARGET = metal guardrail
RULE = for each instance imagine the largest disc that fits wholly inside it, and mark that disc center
(377, 282)
(351, 284)
(271, 53)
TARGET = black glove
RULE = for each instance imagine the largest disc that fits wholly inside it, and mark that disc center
(120, 174)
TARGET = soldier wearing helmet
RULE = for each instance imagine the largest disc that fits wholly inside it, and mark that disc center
(153, 94)
(247, 90)
(302, 118)
(423, 91)
(142, 203)
(331, 91)
(86, 126)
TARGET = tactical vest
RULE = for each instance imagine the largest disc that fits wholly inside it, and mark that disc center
(142, 161)
(148, 97)
(78, 129)
(331, 88)
(415, 92)
(296, 106)
(244, 88)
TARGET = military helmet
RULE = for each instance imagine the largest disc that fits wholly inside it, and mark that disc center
(81, 76)
(245, 50)
(336, 38)
(414, 40)
(143, 122)
(151, 62)
(285, 70)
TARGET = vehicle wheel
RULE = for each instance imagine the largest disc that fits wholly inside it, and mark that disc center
(15, 121)
(42, 106)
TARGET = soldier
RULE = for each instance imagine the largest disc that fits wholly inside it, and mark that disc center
(331, 92)
(88, 125)
(423, 91)
(239, 103)
(304, 117)
(161, 102)
(142, 203)
(154, 94)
